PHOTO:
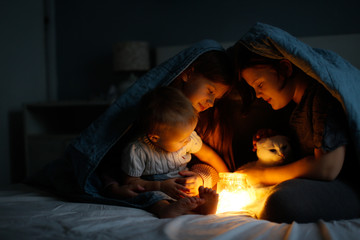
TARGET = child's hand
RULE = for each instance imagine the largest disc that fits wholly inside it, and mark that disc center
(253, 173)
(192, 181)
(173, 188)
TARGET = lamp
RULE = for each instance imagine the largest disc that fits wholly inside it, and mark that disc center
(131, 56)
(130, 59)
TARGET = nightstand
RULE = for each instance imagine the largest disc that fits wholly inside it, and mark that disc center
(50, 127)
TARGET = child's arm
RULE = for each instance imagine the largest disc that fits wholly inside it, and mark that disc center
(321, 166)
(170, 186)
(209, 156)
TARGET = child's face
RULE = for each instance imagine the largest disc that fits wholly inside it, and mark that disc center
(202, 92)
(268, 85)
(175, 138)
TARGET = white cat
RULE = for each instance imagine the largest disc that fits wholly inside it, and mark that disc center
(272, 151)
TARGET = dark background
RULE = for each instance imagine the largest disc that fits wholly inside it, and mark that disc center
(86, 30)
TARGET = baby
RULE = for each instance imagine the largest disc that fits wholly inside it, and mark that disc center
(167, 122)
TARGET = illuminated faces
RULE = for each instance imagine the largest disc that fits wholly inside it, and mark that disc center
(173, 138)
(203, 92)
(269, 85)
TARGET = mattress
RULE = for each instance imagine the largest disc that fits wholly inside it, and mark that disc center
(30, 213)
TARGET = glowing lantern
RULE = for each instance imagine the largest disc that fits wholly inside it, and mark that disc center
(234, 192)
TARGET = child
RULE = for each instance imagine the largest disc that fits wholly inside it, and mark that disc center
(167, 120)
(322, 181)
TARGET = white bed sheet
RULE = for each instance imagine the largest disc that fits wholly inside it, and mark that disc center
(27, 213)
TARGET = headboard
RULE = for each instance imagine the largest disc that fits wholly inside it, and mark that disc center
(347, 46)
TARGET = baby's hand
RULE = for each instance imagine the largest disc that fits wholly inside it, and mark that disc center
(192, 181)
(174, 189)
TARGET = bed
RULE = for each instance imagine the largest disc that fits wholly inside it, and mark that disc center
(28, 212)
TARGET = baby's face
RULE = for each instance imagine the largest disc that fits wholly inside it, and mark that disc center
(175, 138)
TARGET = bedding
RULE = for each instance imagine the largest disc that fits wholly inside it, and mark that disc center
(30, 213)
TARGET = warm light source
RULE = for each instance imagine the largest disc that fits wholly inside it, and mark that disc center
(234, 192)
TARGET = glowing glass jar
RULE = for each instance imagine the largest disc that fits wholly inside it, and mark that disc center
(234, 192)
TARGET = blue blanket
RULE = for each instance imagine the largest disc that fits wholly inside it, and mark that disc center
(337, 75)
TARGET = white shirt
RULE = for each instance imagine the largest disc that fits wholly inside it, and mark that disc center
(142, 157)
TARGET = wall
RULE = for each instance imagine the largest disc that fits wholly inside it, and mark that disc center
(22, 77)
(34, 69)
(87, 29)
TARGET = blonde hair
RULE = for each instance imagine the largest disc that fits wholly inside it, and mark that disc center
(164, 108)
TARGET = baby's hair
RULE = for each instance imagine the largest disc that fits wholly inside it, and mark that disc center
(165, 107)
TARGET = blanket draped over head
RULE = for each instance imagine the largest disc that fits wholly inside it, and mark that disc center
(75, 172)
(336, 74)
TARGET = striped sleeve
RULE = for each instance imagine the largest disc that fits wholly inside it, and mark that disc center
(133, 160)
